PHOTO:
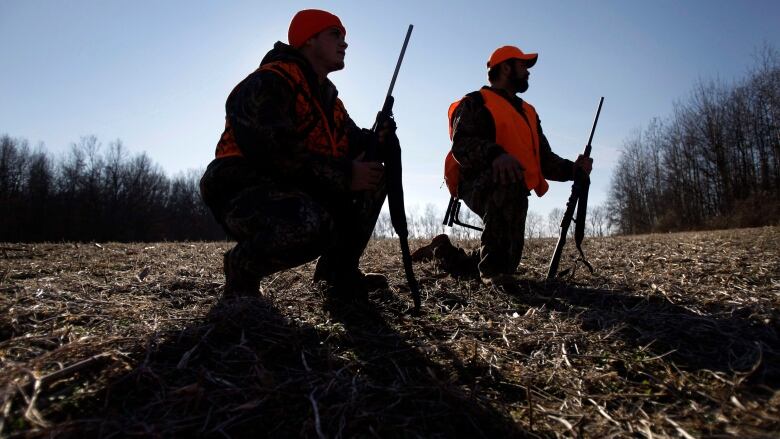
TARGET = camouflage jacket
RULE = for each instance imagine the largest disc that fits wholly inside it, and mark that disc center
(474, 141)
(261, 111)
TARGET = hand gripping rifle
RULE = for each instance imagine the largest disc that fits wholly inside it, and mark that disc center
(579, 193)
(395, 189)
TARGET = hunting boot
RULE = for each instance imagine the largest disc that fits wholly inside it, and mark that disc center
(498, 280)
(507, 283)
(453, 260)
(348, 283)
(238, 281)
(425, 253)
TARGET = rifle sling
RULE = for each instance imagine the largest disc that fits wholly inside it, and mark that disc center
(579, 227)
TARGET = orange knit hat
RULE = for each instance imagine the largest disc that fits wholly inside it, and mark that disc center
(308, 23)
(511, 52)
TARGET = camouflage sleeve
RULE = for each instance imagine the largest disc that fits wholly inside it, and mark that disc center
(473, 136)
(553, 167)
(359, 138)
(261, 110)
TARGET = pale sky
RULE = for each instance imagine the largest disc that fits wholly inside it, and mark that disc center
(156, 74)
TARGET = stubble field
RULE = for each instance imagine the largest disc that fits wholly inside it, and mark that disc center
(673, 336)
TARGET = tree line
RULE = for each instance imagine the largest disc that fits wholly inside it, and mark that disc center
(92, 195)
(715, 163)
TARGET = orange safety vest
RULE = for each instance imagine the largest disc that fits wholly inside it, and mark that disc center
(518, 136)
(311, 122)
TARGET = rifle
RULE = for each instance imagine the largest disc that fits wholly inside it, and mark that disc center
(395, 189)
(579, 193)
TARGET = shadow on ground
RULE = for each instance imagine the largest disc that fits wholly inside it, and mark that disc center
(247, 370)
(719, 339)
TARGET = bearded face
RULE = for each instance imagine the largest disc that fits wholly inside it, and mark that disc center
(518, 76)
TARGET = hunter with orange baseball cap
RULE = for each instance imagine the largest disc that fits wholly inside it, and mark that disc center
(288, 182)
(511, 52)
(499, 155)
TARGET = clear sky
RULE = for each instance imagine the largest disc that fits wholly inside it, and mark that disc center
(155, 74)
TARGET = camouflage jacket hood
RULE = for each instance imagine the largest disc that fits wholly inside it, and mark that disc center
(327, 92)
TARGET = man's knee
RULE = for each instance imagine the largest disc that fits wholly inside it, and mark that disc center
(509, 196)
(283, 234)
(279, 220)
(314, 231)
(481, 192)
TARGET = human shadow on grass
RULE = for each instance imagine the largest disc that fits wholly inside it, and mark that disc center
(423, 396)
(720, 339)
(249, 370)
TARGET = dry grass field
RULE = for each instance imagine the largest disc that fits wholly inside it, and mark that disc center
(673, 336)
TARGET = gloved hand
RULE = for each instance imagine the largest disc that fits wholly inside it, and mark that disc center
(506, 170)
(584, 163)
(386, 131)
(365, 175)
(389, 145)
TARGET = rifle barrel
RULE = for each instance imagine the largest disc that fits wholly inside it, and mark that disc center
(593, 130)
(400, 60)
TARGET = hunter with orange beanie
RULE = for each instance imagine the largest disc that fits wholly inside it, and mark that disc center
(288, 181)
(499, 155)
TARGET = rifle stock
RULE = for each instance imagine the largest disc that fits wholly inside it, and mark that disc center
(579, 193)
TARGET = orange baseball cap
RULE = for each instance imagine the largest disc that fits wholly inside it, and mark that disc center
(308, 23)
(511, 52)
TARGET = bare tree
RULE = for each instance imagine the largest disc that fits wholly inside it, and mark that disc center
(384, 226)
(14, 162)
(714, 163)
(554, 221)
(533, 225)
(597, 221)
(430, 223)
(86, 196)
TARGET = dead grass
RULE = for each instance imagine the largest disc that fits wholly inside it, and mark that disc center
(674, 336)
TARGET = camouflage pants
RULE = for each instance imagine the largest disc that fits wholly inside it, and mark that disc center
(277, 228)
(503, 209)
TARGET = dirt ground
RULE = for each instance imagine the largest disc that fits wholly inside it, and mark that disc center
(674, 335)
